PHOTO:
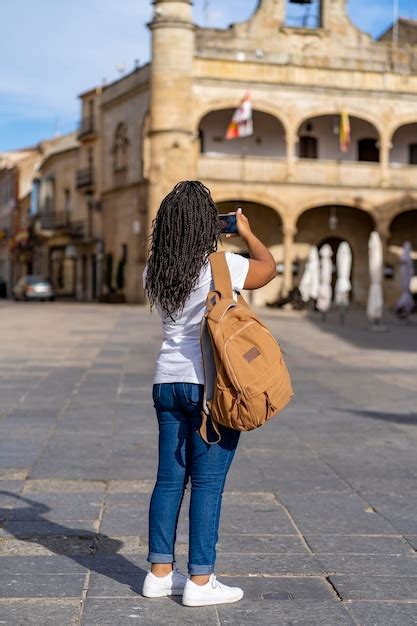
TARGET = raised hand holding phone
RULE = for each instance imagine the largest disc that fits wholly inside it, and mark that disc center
(243, 225)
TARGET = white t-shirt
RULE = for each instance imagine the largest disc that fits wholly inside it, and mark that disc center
(179, 359)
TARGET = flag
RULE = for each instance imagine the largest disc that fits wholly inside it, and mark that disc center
(344, 131)
(242, 123)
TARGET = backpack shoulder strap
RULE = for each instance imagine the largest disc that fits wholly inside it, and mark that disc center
(221, 274)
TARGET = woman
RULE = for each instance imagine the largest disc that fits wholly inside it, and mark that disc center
(177, 280)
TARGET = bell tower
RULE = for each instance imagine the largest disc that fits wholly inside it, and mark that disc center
(308, 14)
(170, 128)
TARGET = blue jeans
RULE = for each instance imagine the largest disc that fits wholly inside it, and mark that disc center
(183, 454)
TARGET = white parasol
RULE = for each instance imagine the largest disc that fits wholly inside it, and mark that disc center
(325, 290)
(405, 303)
(344, 267)
(310, 281)
(375, 295)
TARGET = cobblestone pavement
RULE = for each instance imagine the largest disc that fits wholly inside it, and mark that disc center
(319, 522)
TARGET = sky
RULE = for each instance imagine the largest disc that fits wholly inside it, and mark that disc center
(51, 51)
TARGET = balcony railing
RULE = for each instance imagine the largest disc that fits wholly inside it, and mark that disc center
(86, 127)
(54, 221)
(255, 169)
(337, 173)
(85, 178)
(306, 172)
(62, 222)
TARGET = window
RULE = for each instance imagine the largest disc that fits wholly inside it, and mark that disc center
(308, 147)
(412, 153)
(368, 150)
(304, 13)
(120, 148)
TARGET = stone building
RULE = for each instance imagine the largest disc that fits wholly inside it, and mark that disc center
(304, 63)
(16, 175)
(166, 122)
(65, 227)
(49, 223)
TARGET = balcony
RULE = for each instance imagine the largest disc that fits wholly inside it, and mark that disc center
(62, 223)
(85, 179)
(247, 169)
(336, 173)
(86, 129)
(312, 172)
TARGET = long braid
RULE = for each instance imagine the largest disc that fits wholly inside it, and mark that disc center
(184, 233)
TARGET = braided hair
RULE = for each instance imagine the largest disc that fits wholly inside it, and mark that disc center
(184, 233)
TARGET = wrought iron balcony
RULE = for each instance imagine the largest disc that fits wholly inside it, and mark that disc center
(85, 178)
(54, 221)
(86, 127)
(63, 223)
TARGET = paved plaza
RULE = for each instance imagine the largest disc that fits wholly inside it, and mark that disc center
(319, 522)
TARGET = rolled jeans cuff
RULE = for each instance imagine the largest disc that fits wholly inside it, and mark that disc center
(154, 557)
(200, 570)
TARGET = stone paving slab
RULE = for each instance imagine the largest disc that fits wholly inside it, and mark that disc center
(45, 586)
(107, 611)
(359, 544)
(379, 564)
(261, 544)
(80, 506)
(46, 527)
(370, 587)
(285, 614)
(64, 612)
(272, 564)
(336, 513)
(375, 614)
(319, 512)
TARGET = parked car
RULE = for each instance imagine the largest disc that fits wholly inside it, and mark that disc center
(33, 288)
(3, 288)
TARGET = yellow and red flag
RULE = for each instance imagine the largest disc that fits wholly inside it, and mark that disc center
(344, 131)
(242, 122)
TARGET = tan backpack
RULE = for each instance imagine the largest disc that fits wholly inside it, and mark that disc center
(246, 379)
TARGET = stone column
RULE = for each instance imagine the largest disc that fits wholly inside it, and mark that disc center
(289, 231)
(385, 146)
(291, 138)
(382, 227)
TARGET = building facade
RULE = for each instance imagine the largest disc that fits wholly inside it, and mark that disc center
(65, 228)
(166, 122)
(304, 63)
(16, 175)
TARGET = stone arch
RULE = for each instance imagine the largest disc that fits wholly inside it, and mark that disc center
(231, 103)
(354, 225)
(399, 123)
(404, 136)
(403, 227)
(386, 213)
(222, 195)
(267, 140)
(324, 129)
(267, 223)
(354, 112)
(324, 200)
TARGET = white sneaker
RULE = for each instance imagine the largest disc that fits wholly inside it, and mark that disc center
(212, 592)
(170, 585)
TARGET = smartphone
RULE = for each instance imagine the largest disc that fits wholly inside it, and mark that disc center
(228, 225)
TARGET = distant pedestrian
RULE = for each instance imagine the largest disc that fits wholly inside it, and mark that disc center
(178, 279)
